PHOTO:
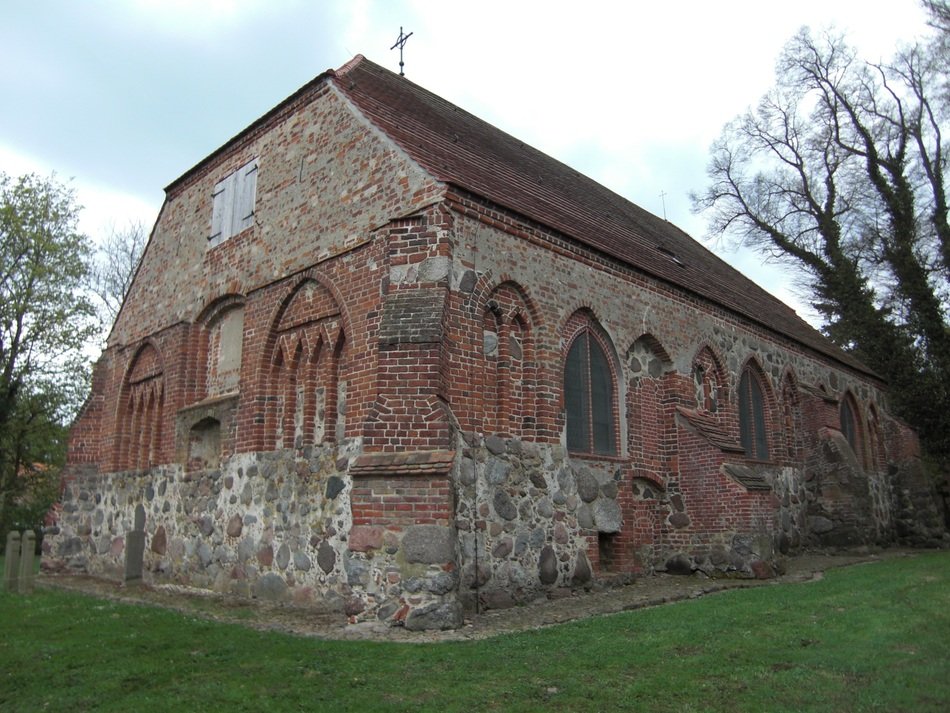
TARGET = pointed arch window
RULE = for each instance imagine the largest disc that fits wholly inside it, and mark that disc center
(589, 398)
(849, 424)
(752, 433)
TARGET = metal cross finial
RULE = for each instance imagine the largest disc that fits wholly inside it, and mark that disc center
(663, 198)
(400, 43)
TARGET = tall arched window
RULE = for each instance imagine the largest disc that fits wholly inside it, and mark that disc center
(752, 434)
(589, 398)
(849, 424)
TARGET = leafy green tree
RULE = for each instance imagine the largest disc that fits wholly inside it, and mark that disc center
(46, 319)
(840, 171)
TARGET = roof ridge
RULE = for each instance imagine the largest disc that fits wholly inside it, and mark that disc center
(357, 58)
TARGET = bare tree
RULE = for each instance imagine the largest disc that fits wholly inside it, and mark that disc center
(841, 171)
(117, 259)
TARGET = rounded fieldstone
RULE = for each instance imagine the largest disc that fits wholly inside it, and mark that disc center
(357, 571)
(561, 535)
(679, 519)
(585, 518)
(503, 548)
(439, 583)
(547, 566)
(468, 281)
(536, 538)
(159, 541)
(475, 577)
(607, 515)
(587, 486)
(206, 526)
(246, 548)
(386, 610)
(609, 489)
(490, 343)
(283, 556)
(271, 587)
(565, 480)
(504, 506)
(335, 486)
(582, 571)
(467, 471)
(235, 526)
(435, 616)
(495, 445)
(496, 471)
(429, 544)
(679, 564)
(326, 557)
(537, 479)
(545, 508)
(742, 545)
(718, 556)
(820, 525)
(302, 561)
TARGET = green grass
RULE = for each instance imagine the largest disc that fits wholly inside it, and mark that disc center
(870, 637)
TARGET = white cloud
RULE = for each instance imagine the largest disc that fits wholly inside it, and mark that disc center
(131, 93)
(196, 19)
(103, 207)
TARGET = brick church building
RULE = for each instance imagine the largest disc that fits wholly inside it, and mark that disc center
(383, 357)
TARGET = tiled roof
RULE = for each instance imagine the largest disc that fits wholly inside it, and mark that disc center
(461, 149)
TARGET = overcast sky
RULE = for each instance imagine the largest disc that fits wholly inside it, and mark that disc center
(123, 96)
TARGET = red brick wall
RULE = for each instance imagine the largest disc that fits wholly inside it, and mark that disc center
(402, 501)
(352, 247)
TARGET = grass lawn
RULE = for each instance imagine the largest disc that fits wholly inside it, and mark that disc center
(870, 637)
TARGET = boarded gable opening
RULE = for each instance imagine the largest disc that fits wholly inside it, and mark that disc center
(232, 203)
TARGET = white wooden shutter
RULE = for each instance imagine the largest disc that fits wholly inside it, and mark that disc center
(244, 213)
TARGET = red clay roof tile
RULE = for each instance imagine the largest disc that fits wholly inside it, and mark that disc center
(461, 149)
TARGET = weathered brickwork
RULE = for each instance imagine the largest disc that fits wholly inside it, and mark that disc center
(395, 398)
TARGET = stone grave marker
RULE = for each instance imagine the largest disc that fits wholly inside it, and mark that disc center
(27, 554)
(11, 562)
(135, 547)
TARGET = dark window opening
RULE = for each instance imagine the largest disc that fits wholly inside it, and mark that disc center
(848, 427)
(752, 417)
(589, 398)
(606, 551)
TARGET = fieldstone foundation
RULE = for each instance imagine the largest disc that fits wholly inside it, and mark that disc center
(273, 526)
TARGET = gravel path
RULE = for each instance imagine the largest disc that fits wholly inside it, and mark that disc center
(645, 591)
